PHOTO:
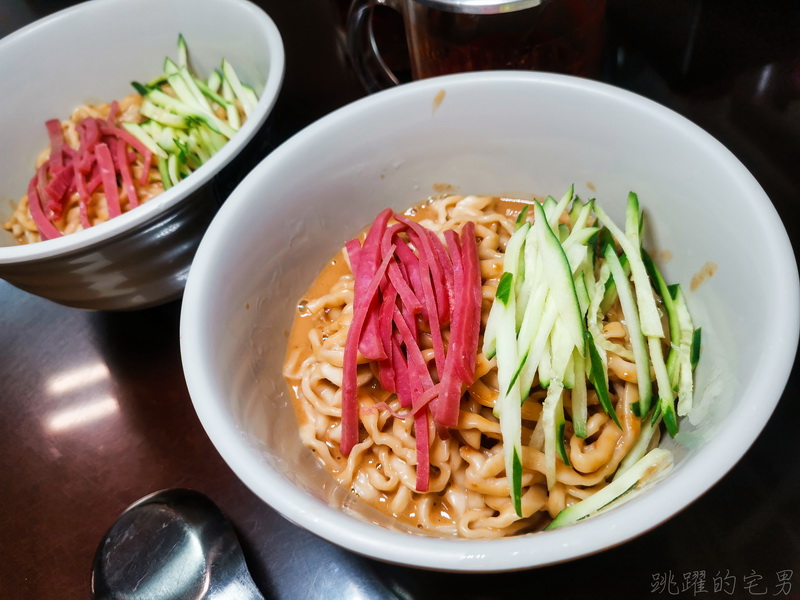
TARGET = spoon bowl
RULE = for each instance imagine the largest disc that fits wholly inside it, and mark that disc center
(175, 543)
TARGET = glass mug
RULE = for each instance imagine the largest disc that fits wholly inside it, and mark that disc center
(451, 36)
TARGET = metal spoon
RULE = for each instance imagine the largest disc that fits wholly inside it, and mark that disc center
(174, 543)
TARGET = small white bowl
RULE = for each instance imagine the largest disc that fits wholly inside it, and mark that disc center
(88, 54)
(487, 133)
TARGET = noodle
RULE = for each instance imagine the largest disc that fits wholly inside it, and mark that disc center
(469, 494)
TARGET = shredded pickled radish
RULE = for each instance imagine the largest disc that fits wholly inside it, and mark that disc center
(408, 282)
(102, 159)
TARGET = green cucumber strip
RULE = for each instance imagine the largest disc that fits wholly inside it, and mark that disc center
(636, 479)
(611, 288)
(560, 351)
(665, 398)
(164, 172)
(649, 426)
(140, 134)
(194, 89)
(250, 93)
(172, 168)
(214, 81)
(142, 90)
(210, 93)
(503, 293)
(696, 340)
(574, 211)
(508, 407)
(170, 68)
(635, 333)
(648, 312)
(569, 374)
(522, 217)
(532, 278)
(582, 292)
(558, 208)
(562, 232)
(182, 108)
(594, 316)
(580, 398)
(685, 350)
(549, 206)
(238, 89)
(533, 343)
(581, 219)
(183, 51)
(546, 365)
(552, 418)
(230, 108)
(559, 278)
(598, 377)
(185, 93)
(516, 481)
(672, 317)
(580, 237)
(633, 220)
(165, 117)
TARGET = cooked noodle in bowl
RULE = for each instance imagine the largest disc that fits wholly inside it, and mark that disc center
(468, 493)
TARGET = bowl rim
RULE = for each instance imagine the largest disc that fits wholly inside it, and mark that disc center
(677, 490)
(86, 239)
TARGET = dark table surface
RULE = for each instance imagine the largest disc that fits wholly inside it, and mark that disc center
(94, 411)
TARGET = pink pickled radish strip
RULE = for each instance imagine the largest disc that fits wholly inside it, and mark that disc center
(90, 137)
(418, 368)
(386, 371)
(472, 270)
(429, 298)
(127, 178)
(83, 195)
(445, 310)
(370, 343)
(425, 249)
(47, 230)
(423, 451)
(109, 177)
(60, 184)
(56, 143)
(407, 295)
(112, 113)
(123, 134)
(353, 249)
(450, 397)
(409, 265)
(350, 366)
(148, 162)
(404, 392)
(396, 276)
(51, 208)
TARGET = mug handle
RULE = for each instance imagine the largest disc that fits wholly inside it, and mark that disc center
(367, 61)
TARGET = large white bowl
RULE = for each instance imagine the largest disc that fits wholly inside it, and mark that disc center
(487, 133)
(90, 53)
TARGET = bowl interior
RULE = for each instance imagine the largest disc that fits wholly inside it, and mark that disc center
(91, 53)
(498, 133)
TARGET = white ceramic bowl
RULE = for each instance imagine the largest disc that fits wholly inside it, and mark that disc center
(91, 53)
(487, 133)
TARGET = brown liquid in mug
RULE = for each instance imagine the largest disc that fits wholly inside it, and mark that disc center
(561, 36)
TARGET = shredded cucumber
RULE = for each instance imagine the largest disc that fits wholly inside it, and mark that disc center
(562, 275)
(645, 472)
